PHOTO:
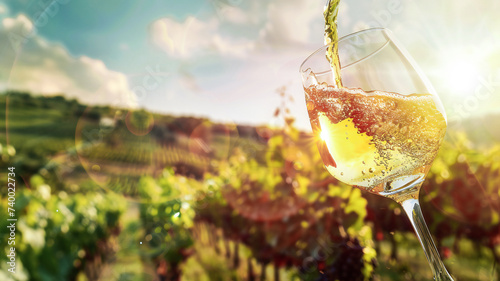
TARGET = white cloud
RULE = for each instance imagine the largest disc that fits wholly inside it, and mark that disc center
(193, 37)
(235, 15)
(42, 67)
(3, 9)
(344, 16)
(239, 30)
(269, 40)
(20, 25)
(289, 22)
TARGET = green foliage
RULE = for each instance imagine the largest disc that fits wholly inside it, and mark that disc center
(280, 208)
(167, 216)
(140, 120)
(464, 184)
(58, 233)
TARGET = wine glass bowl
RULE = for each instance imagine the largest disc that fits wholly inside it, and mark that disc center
(378, 123)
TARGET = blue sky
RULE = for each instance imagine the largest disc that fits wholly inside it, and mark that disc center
(224, 59)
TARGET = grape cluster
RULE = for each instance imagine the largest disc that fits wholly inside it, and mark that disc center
(348, 265)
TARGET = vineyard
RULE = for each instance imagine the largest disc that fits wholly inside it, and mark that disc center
(118, 195)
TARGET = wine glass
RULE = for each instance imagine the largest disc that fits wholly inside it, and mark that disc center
(380, 125)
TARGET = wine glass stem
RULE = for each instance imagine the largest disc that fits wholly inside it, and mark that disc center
(412, 209)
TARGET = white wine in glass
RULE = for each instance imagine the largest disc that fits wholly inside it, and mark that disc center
(380, 127)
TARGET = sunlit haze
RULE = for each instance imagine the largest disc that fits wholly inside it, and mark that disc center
(462, 77)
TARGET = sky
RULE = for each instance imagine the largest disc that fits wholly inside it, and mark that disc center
(225, 59)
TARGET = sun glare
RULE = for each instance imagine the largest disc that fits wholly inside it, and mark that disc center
(323, 135)
(461, 76)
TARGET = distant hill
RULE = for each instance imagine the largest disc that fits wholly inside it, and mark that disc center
(46, 131)
(482, 131)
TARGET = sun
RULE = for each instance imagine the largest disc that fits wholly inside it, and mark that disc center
(461, 75)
